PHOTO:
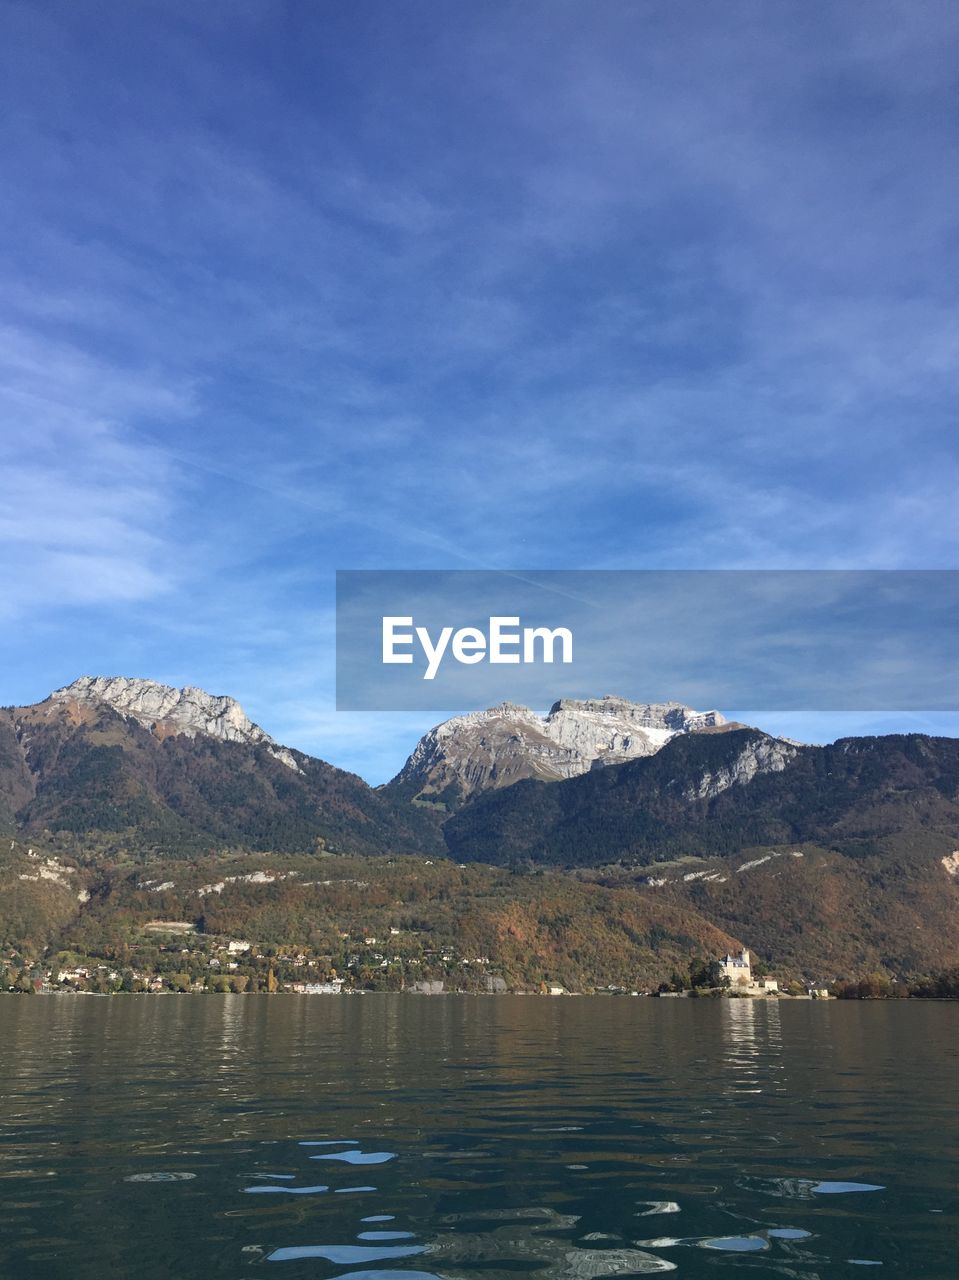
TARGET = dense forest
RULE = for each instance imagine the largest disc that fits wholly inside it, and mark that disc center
(850, 796)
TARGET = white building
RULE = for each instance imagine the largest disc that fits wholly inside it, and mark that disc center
(737, 969)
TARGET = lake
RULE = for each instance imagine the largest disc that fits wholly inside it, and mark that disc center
(410, 1137)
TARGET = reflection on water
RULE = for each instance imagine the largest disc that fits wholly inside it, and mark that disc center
(753, 1045)
(356, 1157)
(343, 1253)
(285, 1191)
(175, 1137)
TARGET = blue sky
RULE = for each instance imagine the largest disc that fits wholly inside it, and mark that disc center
(296, 287)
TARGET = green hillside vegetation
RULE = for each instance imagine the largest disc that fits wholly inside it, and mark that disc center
(523, 929)
(824, 914)
(111, 779)
(388, 923)
(36, 900)
(850, 796)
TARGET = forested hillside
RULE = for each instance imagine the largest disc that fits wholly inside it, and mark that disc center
(711, 795)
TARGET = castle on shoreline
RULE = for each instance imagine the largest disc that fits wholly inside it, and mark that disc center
(737, 969)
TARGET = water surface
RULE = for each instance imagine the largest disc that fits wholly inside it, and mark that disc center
(408, 1138)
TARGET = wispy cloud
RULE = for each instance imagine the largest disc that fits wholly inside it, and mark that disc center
(673, 286)
(87, 518)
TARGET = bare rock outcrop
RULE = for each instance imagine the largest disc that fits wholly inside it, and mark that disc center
(484, 750)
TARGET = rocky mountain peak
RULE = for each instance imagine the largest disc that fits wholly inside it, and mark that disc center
(612, 727)
(165, 710)
(487, 749)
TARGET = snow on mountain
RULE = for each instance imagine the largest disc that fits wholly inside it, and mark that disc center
(499, 746)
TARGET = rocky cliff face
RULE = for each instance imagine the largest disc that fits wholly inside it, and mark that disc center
(489, 749)
(166, 711)
(760, 755)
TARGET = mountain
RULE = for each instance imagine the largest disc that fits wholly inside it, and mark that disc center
(166, 711)
(647, 834)
(161, 768)
(488, 750)
(711, 795)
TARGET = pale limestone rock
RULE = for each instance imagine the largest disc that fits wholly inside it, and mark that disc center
(166, 711)
(762, 755)
(499, 746)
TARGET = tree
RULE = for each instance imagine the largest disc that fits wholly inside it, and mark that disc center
(875, 986)
(707, 973)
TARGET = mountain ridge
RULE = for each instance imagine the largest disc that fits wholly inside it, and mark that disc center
(164, 768)
(494, 748)
(753, 789)
(166, 710)
(831, 857)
